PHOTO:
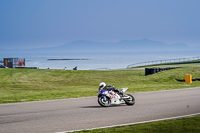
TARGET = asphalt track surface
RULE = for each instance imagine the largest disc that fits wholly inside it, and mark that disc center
(85, 113)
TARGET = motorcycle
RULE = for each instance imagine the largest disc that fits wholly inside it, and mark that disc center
(107, 98)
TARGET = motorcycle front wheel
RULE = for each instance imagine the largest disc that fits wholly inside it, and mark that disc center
(130, 100)
(104, 101)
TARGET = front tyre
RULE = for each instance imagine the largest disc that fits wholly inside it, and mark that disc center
(104, 101)
(130, 100)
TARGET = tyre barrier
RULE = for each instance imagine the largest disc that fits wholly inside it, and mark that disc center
(149, 71)
(183, 80)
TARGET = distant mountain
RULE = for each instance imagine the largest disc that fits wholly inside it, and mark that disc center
(124, 45)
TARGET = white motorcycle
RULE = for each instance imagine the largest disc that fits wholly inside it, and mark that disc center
(108, 98)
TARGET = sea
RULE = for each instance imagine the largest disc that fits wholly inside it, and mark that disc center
(96, 60)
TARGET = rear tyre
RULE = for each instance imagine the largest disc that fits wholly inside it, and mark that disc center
(130, 100)
(104, 102)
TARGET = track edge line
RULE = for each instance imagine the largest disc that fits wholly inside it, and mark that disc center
(170, 118)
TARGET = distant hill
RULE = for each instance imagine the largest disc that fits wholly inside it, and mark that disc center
(124, 45)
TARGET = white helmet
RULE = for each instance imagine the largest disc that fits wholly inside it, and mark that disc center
(102, 85)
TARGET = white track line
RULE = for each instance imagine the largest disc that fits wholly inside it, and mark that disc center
(133, 123)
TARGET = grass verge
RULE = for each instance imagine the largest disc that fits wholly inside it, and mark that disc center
(182, 125)
(21, 85)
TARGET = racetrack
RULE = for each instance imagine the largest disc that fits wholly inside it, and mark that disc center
(85, 113)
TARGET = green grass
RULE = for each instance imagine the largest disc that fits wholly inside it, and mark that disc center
(20, 85)
(183, 125)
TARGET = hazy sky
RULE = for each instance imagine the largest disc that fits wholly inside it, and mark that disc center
(43, 23)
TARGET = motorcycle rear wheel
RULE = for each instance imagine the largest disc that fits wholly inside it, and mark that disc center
(104, 102)
(130, 100)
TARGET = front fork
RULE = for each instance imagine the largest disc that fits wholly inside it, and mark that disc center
(104, 98)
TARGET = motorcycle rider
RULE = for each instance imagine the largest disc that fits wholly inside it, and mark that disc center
(103, 86)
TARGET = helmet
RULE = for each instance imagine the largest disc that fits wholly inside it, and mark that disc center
(102, 85)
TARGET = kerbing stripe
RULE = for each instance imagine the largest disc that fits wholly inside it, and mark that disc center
(132, 123)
